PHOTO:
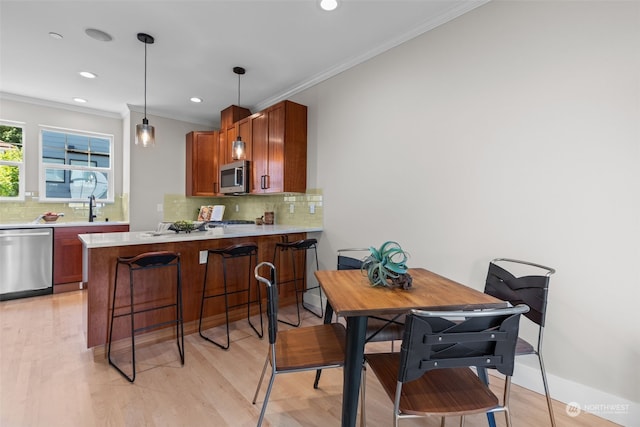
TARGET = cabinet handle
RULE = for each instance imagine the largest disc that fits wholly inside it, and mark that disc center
(262, 182)
(266, 182)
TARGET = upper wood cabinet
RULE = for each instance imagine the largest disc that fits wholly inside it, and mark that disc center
(279, 149)
(276, 144)
(229, 118)
(202, 163)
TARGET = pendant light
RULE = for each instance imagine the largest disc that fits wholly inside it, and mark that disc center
(238, 151)
(145, 134)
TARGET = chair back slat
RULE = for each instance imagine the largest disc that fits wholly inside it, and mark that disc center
(350, 262)
(485, 338)
(530, 290)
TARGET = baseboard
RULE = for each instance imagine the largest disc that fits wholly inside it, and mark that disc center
(577, 397)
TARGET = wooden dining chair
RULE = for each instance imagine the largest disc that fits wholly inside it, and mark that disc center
(529, 289)
(300, 349)
(432, 375)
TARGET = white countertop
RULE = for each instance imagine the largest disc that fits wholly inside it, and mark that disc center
(59, 224)
(103, 240)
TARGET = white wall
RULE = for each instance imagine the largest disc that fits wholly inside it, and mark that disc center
(34, 113)
(158, 170)
(513, 131)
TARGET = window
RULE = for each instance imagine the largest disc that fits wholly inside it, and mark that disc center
(75, 165)
(11, 161)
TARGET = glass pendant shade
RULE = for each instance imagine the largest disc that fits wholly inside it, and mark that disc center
(238, 149)
(145, 134)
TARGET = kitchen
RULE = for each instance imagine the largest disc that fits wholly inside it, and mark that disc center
(464, 115)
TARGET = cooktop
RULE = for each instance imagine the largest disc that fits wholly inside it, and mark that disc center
(230, 222)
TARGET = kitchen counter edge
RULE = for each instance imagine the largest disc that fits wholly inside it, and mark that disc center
(103, 240)
(10, 226)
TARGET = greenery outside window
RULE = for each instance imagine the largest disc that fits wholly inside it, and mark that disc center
(11, 161)
(75, 165)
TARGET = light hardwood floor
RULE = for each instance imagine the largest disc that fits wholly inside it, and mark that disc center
(48, 378)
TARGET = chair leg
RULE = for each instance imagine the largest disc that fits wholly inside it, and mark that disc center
(179, 319)
(226, 306)
(266, 396)
(363, 384)
(304, 286)
(133, 351)
(546, 389)
(505, 400)
(295, 286)
(264, 369)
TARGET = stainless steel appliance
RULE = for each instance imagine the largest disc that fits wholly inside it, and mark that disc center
(26, 262)
(234, 177)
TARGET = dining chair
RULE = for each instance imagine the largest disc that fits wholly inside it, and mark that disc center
(432, 375)
(530, 289)
(300, 349)
(379, 328)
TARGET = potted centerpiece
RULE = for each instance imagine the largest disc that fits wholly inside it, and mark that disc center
(386, 266)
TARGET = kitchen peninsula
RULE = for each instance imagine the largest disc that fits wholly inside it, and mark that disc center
(100, 252)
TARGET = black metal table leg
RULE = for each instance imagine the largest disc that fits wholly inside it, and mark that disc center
(356, 331)
(482, 373)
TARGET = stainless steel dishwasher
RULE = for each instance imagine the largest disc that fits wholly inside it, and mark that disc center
(26, 262)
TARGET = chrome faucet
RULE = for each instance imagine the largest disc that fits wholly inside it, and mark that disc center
(92, 204)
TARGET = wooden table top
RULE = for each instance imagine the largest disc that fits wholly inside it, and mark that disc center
(350, 294)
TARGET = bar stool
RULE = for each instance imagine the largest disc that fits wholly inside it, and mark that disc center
(293, 248)
(242, 250)
(139, 263)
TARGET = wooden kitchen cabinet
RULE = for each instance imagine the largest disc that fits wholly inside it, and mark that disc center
(229, 130)
(279, 149)
(67, 254)
(202, 163)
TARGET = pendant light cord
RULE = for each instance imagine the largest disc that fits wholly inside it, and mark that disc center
(145, 80)
(238, 90)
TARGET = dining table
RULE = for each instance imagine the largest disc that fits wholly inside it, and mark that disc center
(350, 295)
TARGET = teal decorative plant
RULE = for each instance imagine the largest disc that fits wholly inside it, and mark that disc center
(387, 266)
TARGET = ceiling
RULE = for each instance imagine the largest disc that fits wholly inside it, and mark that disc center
(285, 47)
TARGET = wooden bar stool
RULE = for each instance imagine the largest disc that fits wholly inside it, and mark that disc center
(299, 279)
(136, 308)
(234, 252)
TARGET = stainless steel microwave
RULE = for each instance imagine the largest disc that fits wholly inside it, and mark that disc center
(234, 177)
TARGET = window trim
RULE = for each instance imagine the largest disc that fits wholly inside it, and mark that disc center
(42, 167)
(21, 165)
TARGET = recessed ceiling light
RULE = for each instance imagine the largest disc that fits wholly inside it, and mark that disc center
(80, 100)
(55, 36)
(98, 35)
(328, 4)
(195, 99)
(88, 74)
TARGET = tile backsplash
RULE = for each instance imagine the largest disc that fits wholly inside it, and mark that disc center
(290, 209)
(29, 209)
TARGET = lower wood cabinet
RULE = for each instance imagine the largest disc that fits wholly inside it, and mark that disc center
(67, 254)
